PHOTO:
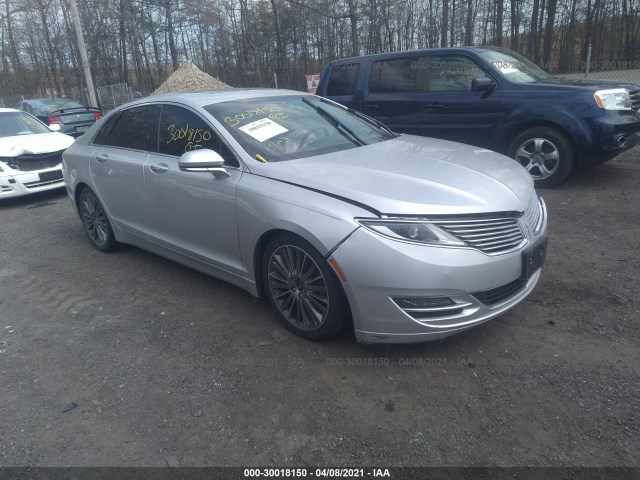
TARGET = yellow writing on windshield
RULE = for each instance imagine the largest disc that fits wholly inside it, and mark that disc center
(233, 120)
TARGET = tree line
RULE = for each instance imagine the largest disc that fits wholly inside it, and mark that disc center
(245, 42)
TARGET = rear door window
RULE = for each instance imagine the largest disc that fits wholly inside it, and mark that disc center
(399, 75)
(343, 79)
(102, 137)
(135, 129)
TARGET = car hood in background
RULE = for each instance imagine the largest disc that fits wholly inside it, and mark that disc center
(591, 83)
(34, 144)
(412, 175)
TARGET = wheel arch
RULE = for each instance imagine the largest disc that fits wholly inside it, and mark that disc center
(261, 245)
(516, 130)
(78, 189)
(258, 255)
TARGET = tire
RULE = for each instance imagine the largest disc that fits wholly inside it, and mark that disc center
(303, 289)
(95, 222)
(545, 152)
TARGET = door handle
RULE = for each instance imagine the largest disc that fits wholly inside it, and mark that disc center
(433, 105)
(103, 157)
(372, 105)
(159, 167)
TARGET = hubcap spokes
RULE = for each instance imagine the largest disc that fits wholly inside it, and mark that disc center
(94, 218)
(539, 156)
(298, 287)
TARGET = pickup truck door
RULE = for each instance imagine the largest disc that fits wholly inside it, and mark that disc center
(393, 93)
(451, 110)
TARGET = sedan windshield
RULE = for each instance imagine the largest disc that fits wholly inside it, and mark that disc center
(514, 67)
(273, 129)
(19, 123)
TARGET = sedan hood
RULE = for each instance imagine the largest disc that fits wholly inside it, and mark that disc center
(34, 144)
(412, 175)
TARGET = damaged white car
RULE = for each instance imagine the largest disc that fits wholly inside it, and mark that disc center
(30, 154)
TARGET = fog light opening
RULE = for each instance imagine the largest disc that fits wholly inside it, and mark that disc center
(423, 302)
(622, 141)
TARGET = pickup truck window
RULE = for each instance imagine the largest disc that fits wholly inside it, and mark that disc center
(514, 67)
(343, 79)
(395, 76)
(452, 73)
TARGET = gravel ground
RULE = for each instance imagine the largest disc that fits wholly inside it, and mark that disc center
(167, 365)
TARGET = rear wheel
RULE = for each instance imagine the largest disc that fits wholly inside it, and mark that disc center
(95, 221)
(545, 152)
(303, 289)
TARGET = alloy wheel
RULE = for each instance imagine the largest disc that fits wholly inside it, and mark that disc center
(298, 287)
(94, 218)
(539, 156)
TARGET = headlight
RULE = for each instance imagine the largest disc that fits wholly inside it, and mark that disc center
(613, 99)
(416, 231)
(7, 163)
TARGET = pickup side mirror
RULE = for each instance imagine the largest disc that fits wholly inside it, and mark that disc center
(482, 84)
(203, 160)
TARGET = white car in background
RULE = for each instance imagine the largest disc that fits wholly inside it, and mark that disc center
(30, 154)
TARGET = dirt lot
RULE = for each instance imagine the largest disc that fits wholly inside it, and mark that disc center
(165, 362)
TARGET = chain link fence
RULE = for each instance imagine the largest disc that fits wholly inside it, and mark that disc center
(612, 70)
(112, 96)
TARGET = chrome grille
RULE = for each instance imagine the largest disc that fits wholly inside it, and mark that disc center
(635, 99)
(43, 183)
(493, 235)
(533, 215)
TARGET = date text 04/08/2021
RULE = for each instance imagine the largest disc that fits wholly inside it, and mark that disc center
(317, 472)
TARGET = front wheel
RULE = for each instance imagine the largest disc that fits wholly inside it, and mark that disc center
(546, 153)
(303, 289)
(95, 221)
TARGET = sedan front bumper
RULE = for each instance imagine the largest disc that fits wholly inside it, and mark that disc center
(17, 183)
(468, 287)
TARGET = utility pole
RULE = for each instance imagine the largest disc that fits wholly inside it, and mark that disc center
(83, 54)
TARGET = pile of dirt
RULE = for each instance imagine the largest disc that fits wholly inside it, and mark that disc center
(189, 78)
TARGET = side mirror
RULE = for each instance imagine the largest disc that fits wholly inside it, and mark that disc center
(54, 127)
(482, 84)
(203, 160)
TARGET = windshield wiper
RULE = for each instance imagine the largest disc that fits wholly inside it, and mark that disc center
(333, 121)
(377, 123)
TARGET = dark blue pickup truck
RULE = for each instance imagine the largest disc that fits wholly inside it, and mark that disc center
(493, 98)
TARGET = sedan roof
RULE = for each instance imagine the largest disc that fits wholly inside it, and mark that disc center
(199, 99)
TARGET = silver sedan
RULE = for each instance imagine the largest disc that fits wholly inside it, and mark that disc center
(336, 220)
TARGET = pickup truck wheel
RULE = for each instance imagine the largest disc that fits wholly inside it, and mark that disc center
(545, 152)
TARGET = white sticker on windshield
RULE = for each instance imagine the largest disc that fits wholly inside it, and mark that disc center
(263, 129)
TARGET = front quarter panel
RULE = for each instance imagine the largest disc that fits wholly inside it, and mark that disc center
(265, 205)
